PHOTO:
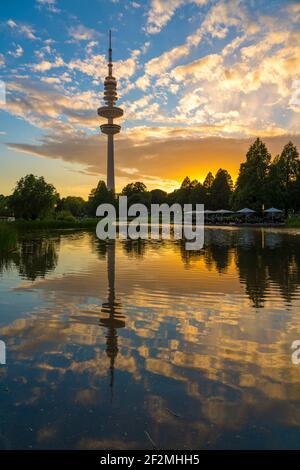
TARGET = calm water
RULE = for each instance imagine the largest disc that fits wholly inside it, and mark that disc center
(108, 344)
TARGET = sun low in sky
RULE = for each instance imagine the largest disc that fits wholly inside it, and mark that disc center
(198, 80)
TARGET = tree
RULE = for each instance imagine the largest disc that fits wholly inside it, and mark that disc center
(136, 193)
(288, 166)
(197, 195)
(252, 181)
(221, 190)
(5, 209)
(207, 185)
(158, 196)
(134, 188)
(275, 196)
(186, 194)
(209, 179)
(73, 204)
(99, 195)
(33, 198)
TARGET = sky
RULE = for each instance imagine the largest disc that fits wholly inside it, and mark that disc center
(198, 80)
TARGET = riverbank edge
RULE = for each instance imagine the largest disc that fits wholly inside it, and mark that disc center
(28, 225)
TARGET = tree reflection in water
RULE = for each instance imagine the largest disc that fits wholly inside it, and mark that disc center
(193, 345)
(34, 257)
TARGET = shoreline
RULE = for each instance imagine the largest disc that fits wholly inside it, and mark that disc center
(92, 223)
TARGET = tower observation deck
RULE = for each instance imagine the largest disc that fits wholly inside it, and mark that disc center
(110, 112)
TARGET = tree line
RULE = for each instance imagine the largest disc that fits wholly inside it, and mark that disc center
(261, 182)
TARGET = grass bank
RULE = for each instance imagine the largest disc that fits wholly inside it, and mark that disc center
(293, 222)
(8, 238)
(28, 225)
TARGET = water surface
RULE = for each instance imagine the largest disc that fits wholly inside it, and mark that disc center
(110, 343)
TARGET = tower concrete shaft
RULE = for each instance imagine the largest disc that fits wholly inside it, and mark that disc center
(110, 112)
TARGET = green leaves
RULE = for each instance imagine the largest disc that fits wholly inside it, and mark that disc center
(33, 198)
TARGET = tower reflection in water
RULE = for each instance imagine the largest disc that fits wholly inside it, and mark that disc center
(114, 318)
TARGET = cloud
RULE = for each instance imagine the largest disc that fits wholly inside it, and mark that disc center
(201, 69)
(161, 11)
(22, 28)
(219, 18)
(166, 60)
(82, 33)
(49, 4)
(159, 162)
(143, 82)
(50, 106)
(240, 83)
(11, 23)
(18, 52)
(95, 66)
(46, 65)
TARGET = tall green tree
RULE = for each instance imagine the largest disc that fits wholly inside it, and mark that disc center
(134, 188)
(137, 193)
(288, 166)
(99, 195)
(5, 209)
(158, 196)
(197, 194)
(275, 190)
(186, 193)
(209, 179)
(252, 181)
(33, 198)
(207, 185)
(221, 190)
(74, 204)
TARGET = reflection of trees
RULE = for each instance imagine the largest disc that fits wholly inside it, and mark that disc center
(262, 258)
(99, 246)
(33, 258)
(269, 260)
(283, 265)
(8, 260)
(217, 257)
(188, 256)
(37, 257)
(217, 251)
(135, 248)
(253, 272)
(115, 319)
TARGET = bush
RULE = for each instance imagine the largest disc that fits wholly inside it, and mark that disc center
(66, 216)
(293, 222)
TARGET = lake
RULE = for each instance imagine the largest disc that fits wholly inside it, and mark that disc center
(135, 344)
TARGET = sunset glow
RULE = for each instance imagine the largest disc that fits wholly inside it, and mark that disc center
(198, 80)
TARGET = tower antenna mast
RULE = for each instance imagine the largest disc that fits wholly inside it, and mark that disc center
(110, 112)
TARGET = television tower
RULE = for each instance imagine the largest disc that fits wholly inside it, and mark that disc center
(110, 112)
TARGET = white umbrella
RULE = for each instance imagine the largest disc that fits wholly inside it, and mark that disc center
(246, 211)
(273, 210)
(223, 211)
(193, 212)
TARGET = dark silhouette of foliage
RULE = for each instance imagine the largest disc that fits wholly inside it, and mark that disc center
(73, 204)
(221, 190)
(33, 198)
(99, 195)
(251, 185)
